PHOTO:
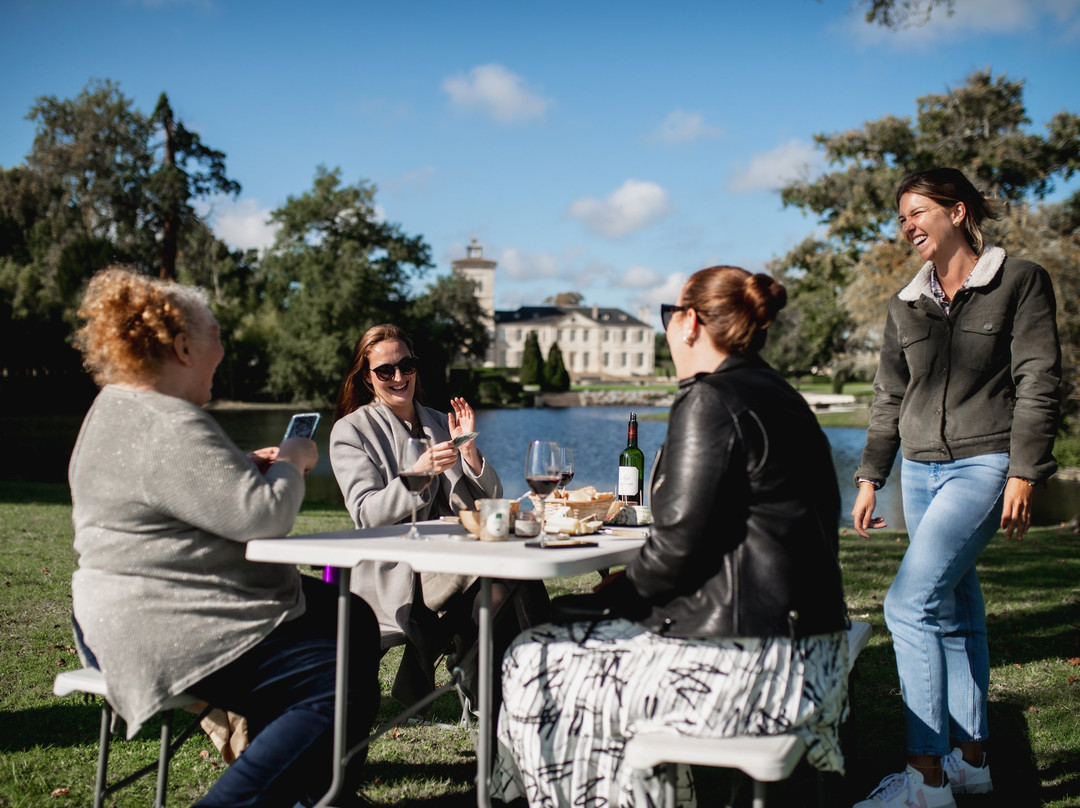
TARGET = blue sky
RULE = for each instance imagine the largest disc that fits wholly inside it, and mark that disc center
(610, 148)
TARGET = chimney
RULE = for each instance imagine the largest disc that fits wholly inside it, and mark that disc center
(595, 312)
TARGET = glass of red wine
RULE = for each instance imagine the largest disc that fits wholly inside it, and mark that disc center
(566, 467)
(542, 469)
(416, 472)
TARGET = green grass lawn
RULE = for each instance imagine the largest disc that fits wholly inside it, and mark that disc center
(49, 745)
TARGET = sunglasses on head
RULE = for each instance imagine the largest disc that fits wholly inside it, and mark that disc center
(407, 366)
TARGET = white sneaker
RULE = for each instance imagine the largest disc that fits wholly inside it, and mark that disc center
(907, 790)
(965, 778)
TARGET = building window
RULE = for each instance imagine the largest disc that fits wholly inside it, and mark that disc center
(558, 334)
(622, 337)
(639, 360)
(585, 360)
(573, 334)
(502, 334)
(640, 336)
(517, 335)
(622, 359)
(607, 359)
(573, 360)
(607, 335)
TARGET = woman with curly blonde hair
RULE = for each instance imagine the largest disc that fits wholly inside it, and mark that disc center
(164, 600)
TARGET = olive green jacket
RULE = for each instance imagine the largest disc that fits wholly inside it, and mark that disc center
(984, 379)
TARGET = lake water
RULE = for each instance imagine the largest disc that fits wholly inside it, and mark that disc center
(42, 446)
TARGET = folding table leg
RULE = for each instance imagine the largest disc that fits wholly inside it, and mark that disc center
(103, 755)
(341, 689)
(163, 759)
(485, 665)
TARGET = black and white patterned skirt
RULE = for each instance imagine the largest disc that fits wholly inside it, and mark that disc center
(574, 694)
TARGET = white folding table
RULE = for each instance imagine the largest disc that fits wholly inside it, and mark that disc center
(442, 550)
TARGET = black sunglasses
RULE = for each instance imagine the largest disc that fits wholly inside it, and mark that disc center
(668, 309)
(407, 366)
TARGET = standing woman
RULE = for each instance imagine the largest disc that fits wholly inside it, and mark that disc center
(164, 599)
(967, 389)
(378, 410)
(731, 619)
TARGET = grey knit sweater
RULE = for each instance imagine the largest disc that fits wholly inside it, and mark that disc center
(163, 502)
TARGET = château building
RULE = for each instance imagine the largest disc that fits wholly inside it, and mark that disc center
(594, 340)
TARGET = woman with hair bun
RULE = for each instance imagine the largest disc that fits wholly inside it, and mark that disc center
(967, 390)
(731, 620)
(164, 600)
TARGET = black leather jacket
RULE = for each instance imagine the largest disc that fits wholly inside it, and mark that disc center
(746, 509)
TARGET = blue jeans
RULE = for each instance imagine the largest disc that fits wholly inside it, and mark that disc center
(935, 608)
(284, 687)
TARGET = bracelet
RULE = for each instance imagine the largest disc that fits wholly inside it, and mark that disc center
(874, 483)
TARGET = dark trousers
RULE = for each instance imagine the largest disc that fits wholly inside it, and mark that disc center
(284, 687)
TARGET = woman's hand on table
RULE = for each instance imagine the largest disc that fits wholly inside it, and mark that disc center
(1016, 513)
(301, 452)
(460, 421)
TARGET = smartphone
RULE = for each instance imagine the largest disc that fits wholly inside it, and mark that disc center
(462, 439)
(302, 425)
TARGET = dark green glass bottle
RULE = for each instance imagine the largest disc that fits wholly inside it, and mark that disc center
(631, 467)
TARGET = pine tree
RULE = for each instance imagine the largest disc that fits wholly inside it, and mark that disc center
(556, 377)
(532, 361)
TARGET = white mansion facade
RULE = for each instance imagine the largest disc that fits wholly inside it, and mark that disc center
(594, 341)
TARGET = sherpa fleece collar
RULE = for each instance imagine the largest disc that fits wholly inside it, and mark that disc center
(988, 265)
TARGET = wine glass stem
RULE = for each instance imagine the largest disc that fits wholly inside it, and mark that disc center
(543, 529)
(413, 533)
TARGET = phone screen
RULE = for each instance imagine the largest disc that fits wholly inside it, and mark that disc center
(302, 425)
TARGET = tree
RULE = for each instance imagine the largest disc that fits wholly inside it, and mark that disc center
(564, 299)
(532, 361)
(173, 185)
(334, 270)
(978, 128)
(556, 377)
(662, 354)
(447, 325)
(903, 13)
(88, 196)
(1050, 236)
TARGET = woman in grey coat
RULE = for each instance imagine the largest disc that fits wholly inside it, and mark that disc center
(164, 600)
(378, 410)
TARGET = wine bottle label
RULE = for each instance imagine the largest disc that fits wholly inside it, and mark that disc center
(628, 481)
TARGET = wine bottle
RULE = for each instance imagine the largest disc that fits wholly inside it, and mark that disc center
(631, 467)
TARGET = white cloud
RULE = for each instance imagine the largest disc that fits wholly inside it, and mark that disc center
(496, 92)
(240, 223)
(681, 126)
(633, 205)
(665, 291)
(637, 277)
(770, 170)
(520, 267)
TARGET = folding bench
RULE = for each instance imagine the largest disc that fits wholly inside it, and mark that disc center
(762, 758)
(90, 682)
